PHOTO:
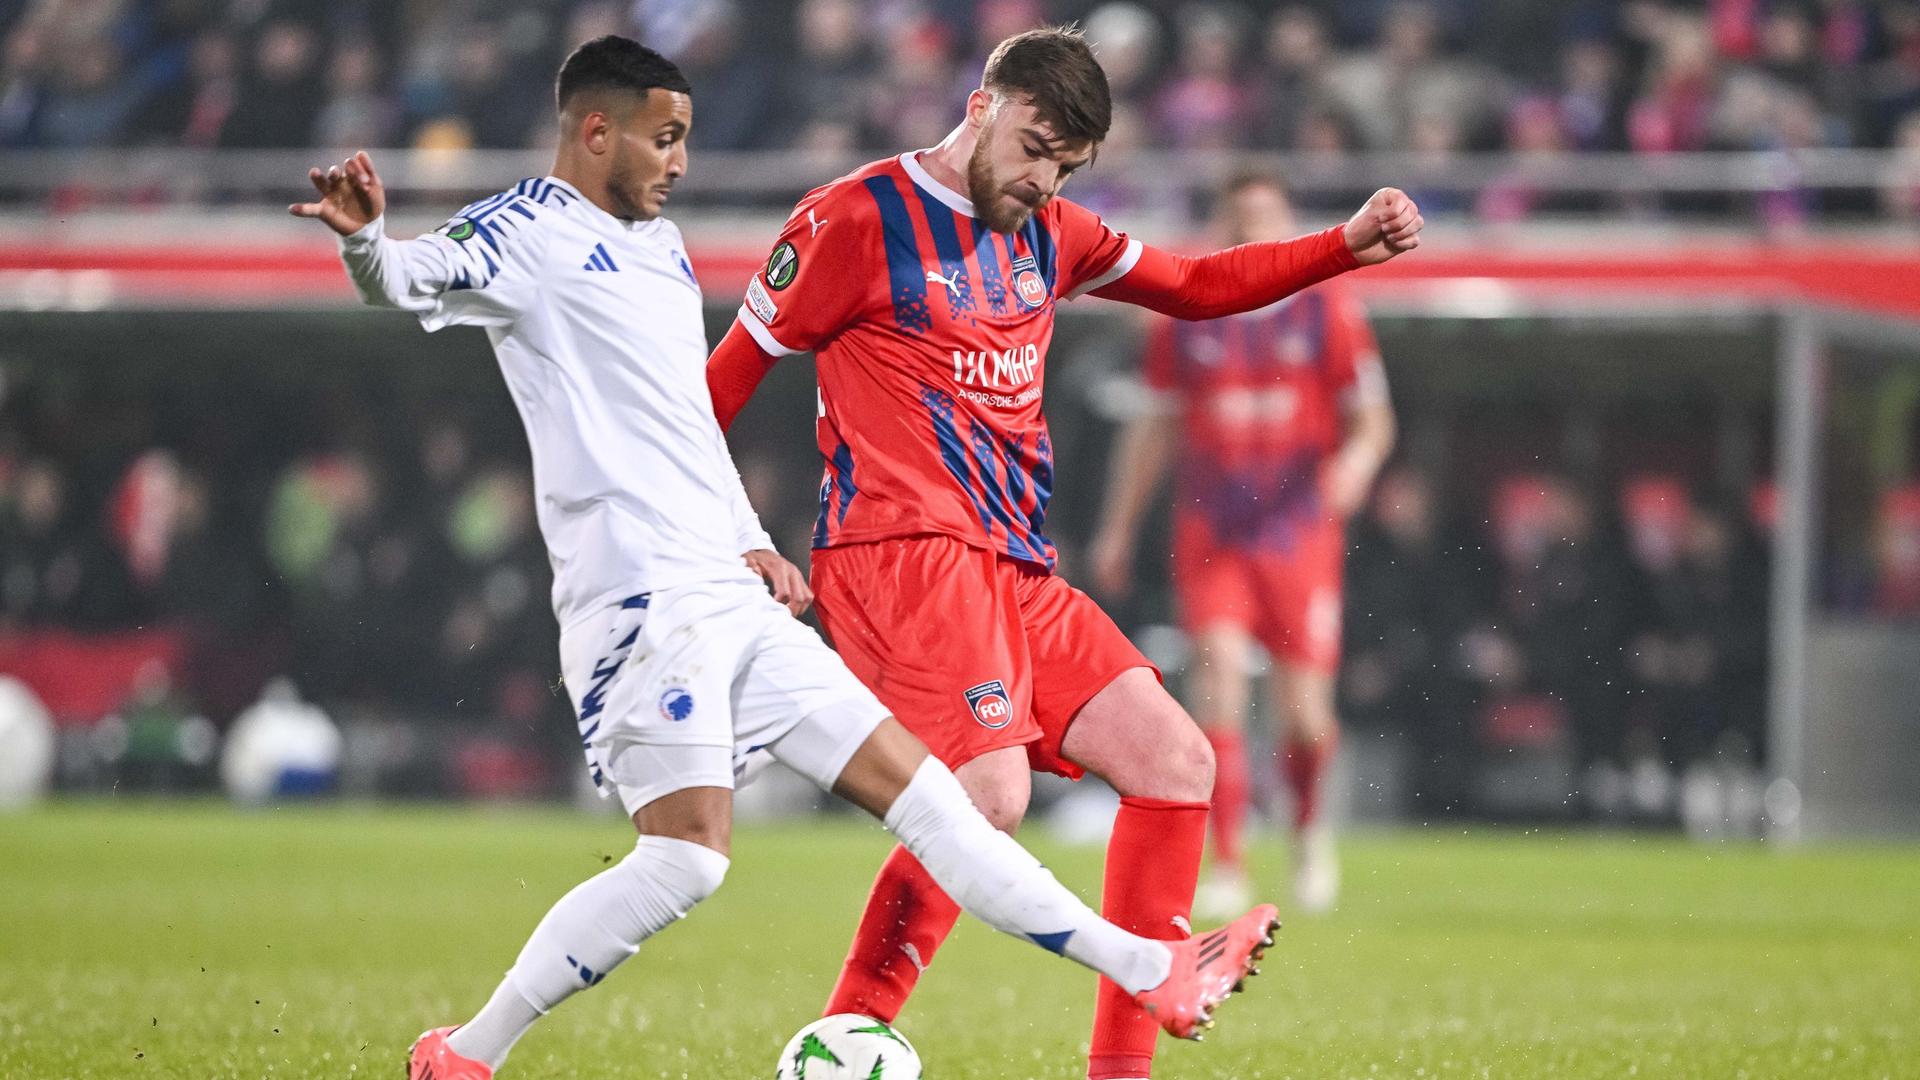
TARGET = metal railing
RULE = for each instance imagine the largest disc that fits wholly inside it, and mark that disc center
(1815, 185)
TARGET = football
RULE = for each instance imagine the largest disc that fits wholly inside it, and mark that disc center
(848, 1046)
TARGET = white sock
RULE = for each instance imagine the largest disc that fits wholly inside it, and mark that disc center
(993, 878)
(587, 934)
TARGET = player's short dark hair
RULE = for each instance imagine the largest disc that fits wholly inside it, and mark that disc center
(1054, 68)
(613, 62)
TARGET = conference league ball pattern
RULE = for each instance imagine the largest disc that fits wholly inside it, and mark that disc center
(847, 1046)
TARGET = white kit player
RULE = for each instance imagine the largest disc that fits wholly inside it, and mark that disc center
(681, 665)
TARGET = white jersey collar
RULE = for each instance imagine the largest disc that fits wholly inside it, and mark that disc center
(910, 161)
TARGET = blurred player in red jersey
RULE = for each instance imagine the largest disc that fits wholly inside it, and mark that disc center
(926, 286)
(1281, 419)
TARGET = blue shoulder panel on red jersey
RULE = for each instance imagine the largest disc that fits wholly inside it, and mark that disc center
(905, 271)
(942, 223)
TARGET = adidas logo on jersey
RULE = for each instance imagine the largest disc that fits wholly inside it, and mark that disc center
(600, 260)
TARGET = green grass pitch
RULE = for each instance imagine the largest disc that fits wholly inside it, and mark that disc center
(169, 940)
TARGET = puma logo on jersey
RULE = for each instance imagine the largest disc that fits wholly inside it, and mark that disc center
(952, 283)
(815, 222)
(997, 368)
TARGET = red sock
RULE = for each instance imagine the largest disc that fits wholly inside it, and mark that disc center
(1306, 768)
(1230, 786)
(1153, 864)
(907, 918)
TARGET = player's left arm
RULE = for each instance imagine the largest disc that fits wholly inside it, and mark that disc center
(735, 371)
(1369, 426)
(443, 277)
(789, 585)
(1251, 276)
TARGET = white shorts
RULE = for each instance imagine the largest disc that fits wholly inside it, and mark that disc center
(701, 686)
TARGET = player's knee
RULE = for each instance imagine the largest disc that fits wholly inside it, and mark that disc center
(1190, 767)
(687, 871)
(1180, 767)
(1003, 805)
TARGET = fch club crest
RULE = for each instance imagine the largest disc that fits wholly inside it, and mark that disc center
(990, 704)
(1028, 282)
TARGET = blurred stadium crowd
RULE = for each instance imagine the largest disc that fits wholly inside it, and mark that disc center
(203, 543)
(396, 568)
(1430, 76)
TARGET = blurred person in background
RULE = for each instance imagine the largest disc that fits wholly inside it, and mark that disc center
(1408, 73)
(24, 79)
(1673, 110)
(1275, 423)
(91, 96)
(56, 570)
(498, 99)
(1205, 104)
(359, 110)
(1896, 553)
(911, 100)
(193, 111)
(1126, 39)
(1893, 80)
(835, 59)
(1537, 134)
(1591, 96)
(280, 92)
(1900, 177)
(1563, 604)
(1410, 597)
(1672, 658)
(1292, 81)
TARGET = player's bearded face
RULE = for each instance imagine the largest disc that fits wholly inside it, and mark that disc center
(1017, 167)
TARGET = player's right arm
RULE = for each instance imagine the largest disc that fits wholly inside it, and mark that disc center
(734, 372)
(467, 272)
(1142, 454)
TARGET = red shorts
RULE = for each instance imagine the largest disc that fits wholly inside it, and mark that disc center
(972, 651)
(1288, 600)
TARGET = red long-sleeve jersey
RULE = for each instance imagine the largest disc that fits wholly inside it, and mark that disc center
(931, 336)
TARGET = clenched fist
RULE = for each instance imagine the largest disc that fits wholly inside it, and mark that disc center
(1389, 224)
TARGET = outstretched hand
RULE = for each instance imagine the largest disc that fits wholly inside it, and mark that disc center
(1387, 225)
(350, 195)
(788, 583)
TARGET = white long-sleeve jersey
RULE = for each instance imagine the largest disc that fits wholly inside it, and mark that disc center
(596, 323)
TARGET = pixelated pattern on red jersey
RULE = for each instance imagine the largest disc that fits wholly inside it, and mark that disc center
(952, 275)
(910, 310)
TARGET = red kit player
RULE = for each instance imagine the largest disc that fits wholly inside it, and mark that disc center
(1281, 420)
(926, 285)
